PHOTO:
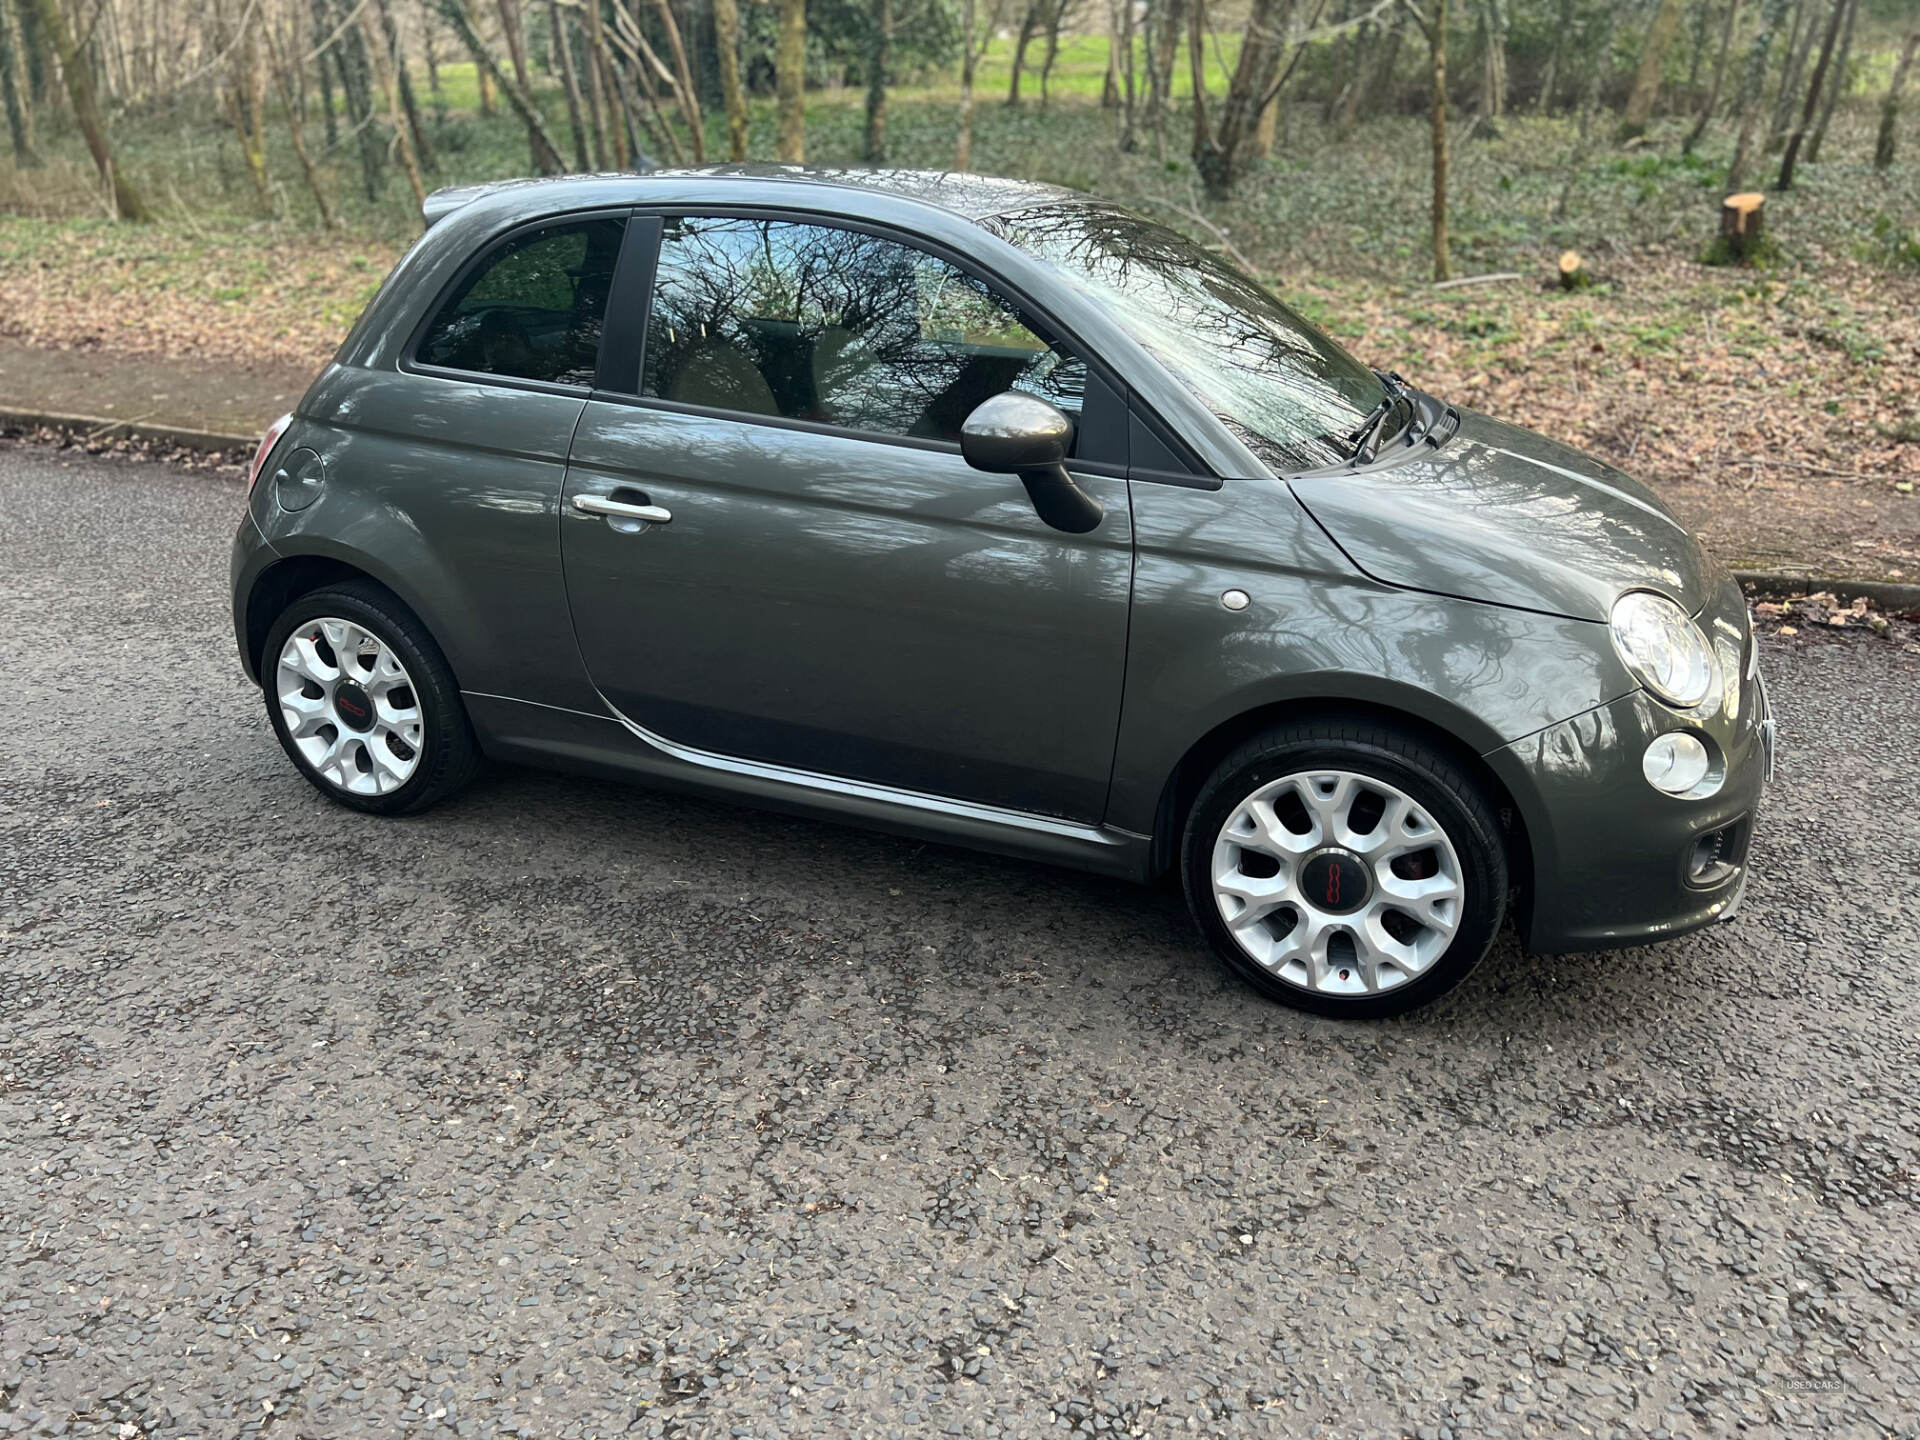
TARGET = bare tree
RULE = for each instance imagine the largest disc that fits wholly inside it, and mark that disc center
(1164, 25)
(879, 62)
(1491, 23)
(1699, 130)
(1837, 85)
(545, 154)
(383, 67)
(1799, 42)
(14, 87)
(1432, 21)
(242, 93)
(76, 67)
(790, 74)
(1753, 88)
(1652, 69)
(1029, 18)
(682, 80)
(389, 36)
(516, 41)
(1890, 107)
(726, 44)
(283, 59)
(1121, 17)
(561, 41)
(1221, 150)
(973, 44)
(1792, 155)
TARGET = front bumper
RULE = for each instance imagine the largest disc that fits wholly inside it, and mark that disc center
(1616, 862)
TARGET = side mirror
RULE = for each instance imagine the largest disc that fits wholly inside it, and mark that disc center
(1019, 434)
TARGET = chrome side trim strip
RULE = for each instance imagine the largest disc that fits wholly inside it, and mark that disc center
(838, 785)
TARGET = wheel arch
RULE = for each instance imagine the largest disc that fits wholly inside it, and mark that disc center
(1190, 773)
(287, 579)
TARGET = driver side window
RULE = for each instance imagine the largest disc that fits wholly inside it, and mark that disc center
(810, 322)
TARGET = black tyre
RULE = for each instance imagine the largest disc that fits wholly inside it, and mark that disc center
(363, 702)
(1344, 867)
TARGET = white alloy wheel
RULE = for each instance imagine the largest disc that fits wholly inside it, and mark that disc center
(1337, 883)
(350, 707)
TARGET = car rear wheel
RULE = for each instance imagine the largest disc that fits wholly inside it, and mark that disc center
(363, 702)
(1346, 868)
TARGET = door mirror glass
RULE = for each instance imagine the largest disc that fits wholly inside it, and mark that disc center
(1019, 434)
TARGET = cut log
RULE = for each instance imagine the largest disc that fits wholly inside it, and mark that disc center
(1573, 271)
(1741, 226)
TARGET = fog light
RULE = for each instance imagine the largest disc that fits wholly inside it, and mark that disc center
(1675, 763)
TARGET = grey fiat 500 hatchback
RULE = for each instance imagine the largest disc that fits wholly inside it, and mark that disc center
(993, 514)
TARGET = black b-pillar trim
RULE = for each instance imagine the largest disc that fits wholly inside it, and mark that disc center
(623, 335)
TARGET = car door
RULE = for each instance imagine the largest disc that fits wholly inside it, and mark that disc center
(836, 590)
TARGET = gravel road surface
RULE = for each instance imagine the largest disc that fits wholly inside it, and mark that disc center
(575, 1110)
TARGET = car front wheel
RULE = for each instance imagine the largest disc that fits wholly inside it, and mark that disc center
(1346, 868)
(363, 702)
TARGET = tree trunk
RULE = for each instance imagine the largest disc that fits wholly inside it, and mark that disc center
(1890, 107)
(1836, 86)
(1129, 111)
(683, 81)
(383, 64)
(963, 140)
(545, 154)
(1551, 75)
(1742, 223)
(562, 44)
(241, 94)
(1589, 99)
(1799, 42)
(516, 39)
(1699, 130)
(726, 45)
(1020, 42)
(1493, 61)
(879, 62)
(1221, 154)
(324, 63)
(1437, 46)
(409, 103)
(1056, 14)
(429, 52)
(1110, 84)
(284, 72)
(75, 67)
(790, 69)
(599, 98)
(1753, 88)
(1653, 65)
(1792, 155)
(14, 85)
(1165, 43)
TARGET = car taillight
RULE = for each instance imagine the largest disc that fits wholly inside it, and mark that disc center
(267, 442)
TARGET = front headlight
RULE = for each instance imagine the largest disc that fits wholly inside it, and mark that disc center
(1663, 648)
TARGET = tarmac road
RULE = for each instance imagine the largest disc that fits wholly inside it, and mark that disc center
(570, 1109)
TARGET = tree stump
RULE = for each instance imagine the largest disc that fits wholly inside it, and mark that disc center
(1573, 271)
(1741, 226)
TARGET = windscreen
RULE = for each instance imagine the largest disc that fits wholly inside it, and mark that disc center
(1287, 390)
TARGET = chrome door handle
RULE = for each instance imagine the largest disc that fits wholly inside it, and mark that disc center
(620, 509)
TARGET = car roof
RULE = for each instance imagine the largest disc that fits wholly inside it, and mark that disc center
(970, 196)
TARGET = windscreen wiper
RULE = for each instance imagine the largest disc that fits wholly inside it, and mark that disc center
(1366, 436)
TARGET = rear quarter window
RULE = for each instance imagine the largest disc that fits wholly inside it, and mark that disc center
(533, 309)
